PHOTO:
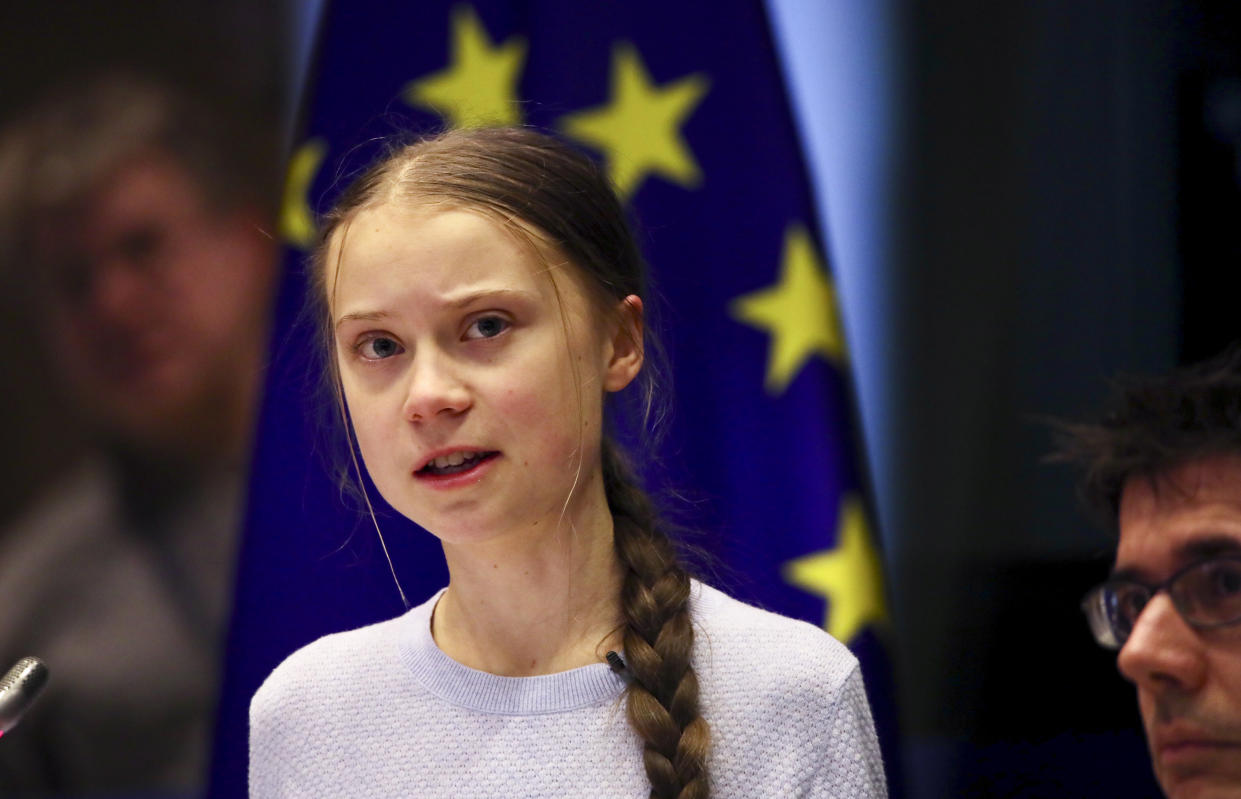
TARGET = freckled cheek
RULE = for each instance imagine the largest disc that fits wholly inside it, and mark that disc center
(372, 429)
(375, 456)
(530, 410)
(550, 424)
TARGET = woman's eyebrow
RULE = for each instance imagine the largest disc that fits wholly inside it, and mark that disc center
(472, 296)
(459, 301)
(365, 316)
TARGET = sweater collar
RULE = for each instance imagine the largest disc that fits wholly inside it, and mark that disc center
(492, 693)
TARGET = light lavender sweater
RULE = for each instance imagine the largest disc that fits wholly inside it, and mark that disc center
(382, 712)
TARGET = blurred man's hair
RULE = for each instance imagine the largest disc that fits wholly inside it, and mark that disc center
(1153, 424)
(52, 155)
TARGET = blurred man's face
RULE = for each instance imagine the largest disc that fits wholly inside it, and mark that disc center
(1188, 679)
(158, 306)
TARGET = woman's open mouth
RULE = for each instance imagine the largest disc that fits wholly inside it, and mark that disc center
(454, 463)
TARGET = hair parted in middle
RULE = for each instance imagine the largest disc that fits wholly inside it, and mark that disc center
(539, 187)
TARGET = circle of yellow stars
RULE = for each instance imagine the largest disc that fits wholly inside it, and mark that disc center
(638, 133)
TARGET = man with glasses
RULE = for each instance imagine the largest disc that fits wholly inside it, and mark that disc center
(1165, 468)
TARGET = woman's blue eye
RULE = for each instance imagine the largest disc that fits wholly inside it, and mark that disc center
(486, 327)
(378, 348)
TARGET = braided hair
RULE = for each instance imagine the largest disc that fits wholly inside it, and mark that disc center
(526, 180)
(659, 640)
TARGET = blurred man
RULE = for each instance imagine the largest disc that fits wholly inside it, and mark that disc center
(139, 233)
(1165, 467)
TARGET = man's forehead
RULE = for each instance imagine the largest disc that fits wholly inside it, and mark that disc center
(1188, 512)
(143, 184)
(1206, 480)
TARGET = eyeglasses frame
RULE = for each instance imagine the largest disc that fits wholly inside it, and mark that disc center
(1094, 597)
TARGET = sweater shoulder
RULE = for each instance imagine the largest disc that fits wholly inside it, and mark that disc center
(785, 702)
(733, 639)
(338, 664)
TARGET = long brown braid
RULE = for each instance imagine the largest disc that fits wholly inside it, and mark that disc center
(659, 640)
(524, 179)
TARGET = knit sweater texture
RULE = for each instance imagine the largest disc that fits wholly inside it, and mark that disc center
(382, 712)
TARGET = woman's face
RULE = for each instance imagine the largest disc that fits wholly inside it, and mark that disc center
(474, 373)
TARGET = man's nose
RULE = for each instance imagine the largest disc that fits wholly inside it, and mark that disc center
(116, 290)
(1163, 653)
(435, 388)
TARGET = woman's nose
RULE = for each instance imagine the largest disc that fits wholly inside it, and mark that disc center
(435, 389)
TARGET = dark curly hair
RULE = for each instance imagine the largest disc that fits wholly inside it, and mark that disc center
(1153, 424)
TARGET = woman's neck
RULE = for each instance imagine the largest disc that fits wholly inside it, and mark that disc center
(533, 604)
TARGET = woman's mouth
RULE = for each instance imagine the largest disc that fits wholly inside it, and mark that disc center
(454, 463)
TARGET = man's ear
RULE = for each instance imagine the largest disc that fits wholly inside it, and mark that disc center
(624, 349)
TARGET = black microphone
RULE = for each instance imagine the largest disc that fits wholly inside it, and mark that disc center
(18, 689)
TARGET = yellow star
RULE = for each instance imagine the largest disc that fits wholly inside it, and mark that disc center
(297, 223)
(799, 312)
(639, 130)
(479, 87)
(849, 576)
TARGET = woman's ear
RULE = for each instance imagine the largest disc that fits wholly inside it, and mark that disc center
(624, 349)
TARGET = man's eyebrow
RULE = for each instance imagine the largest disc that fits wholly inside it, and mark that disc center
(1131, 574)
(1200, 548)
(1208, 547)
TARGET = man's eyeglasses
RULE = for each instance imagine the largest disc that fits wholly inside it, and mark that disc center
(1206, 594)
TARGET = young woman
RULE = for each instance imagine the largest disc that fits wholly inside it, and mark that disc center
(482, 296)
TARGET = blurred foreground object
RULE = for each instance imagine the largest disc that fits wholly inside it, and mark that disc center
(133, 228)
(19, 687)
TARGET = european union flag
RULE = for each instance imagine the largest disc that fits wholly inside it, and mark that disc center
(687, 110)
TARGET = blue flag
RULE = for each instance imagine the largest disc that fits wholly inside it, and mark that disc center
(688, 112)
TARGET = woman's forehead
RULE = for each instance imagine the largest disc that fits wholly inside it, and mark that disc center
(443, 248)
